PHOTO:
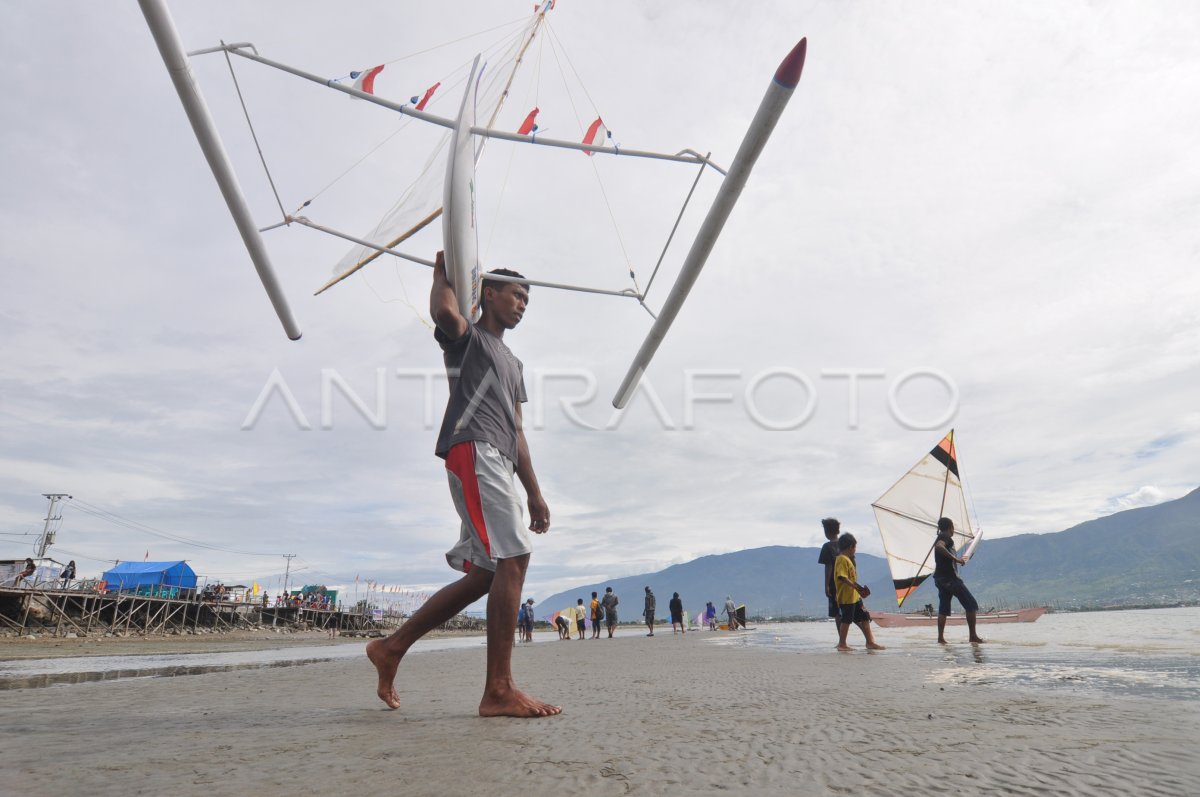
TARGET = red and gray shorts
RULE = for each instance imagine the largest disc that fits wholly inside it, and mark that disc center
(493, 525)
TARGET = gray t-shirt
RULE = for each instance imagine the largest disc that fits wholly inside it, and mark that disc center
(486, 382)
(609, 602)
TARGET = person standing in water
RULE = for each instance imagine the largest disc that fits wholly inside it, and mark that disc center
(483, 444)
(949, 585)
(850, 595)
(731, 612)
(828, 556)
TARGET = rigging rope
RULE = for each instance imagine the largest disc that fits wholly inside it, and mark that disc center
(595, 170)
(446, 89)
(520, 21)
(254, 135)
(405, 121)
(536, 88)
(405, 299)
(678, 219)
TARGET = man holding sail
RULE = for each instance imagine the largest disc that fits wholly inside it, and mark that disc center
(483, 443)
(949, 585)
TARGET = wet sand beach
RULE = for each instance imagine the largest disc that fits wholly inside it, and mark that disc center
(668, 715)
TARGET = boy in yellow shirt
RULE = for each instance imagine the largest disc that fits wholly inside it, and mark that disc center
(850, 594)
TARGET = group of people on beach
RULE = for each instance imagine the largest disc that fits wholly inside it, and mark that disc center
(845, 595)
(601, 612)
(679, 616)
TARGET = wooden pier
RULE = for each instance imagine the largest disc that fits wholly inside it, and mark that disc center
(82, 611)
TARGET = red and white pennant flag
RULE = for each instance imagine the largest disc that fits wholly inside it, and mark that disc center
(365, 81)
(597, 134)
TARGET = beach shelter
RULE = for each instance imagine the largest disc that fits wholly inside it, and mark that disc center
(129, 576)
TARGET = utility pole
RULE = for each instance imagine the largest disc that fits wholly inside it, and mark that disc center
(286, 571)
(52, 520)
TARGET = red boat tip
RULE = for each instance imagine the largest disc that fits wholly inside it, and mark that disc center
(788, 73)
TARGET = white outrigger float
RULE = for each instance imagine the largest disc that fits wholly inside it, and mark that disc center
(460, 240)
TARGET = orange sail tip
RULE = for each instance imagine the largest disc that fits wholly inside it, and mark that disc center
(788, 73)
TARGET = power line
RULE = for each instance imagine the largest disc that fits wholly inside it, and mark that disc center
(59, 549)
(133, 525)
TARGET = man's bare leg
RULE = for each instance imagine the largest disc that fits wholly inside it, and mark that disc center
(447, 602)
(974, 637)
(941, 629)
(501, 698)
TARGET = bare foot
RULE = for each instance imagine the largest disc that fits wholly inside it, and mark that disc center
(875, 646)
(515, 703)
(941, 641)
(844, 648)
(386, 667)
(977, 641)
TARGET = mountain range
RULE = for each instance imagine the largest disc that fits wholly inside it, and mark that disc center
(1144, 556)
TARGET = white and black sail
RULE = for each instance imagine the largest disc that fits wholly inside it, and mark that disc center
(908, 514)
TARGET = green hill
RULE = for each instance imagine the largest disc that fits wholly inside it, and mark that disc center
(1139, 556)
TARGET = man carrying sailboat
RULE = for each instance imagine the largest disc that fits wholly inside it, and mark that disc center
(949, 585)
(484, 445)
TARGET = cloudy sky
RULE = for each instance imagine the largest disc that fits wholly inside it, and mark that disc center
(988, 211)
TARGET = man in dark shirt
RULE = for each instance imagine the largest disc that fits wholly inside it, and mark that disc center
(483, 443)
(829, 555)
(675, 606)
(949, 585)
(609, 602)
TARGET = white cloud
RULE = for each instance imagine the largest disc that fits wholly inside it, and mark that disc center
(1143, 496)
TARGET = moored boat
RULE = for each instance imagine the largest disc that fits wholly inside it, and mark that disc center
(902, 619)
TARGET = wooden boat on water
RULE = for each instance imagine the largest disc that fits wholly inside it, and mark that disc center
(903, 619)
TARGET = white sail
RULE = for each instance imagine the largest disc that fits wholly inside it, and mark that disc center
(908, 513)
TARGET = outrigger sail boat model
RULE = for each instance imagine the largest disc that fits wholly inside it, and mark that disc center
(907, 515)
(458, 207)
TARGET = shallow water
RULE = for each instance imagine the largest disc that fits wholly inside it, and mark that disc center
(34, 673)
(1149, 652)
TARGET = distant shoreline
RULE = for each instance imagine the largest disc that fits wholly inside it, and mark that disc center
(44, 646)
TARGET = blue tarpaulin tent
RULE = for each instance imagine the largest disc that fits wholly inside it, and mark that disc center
(150, 577)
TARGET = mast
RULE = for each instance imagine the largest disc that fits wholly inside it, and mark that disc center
(941, 512)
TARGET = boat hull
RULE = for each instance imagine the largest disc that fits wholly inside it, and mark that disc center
(901, 620)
